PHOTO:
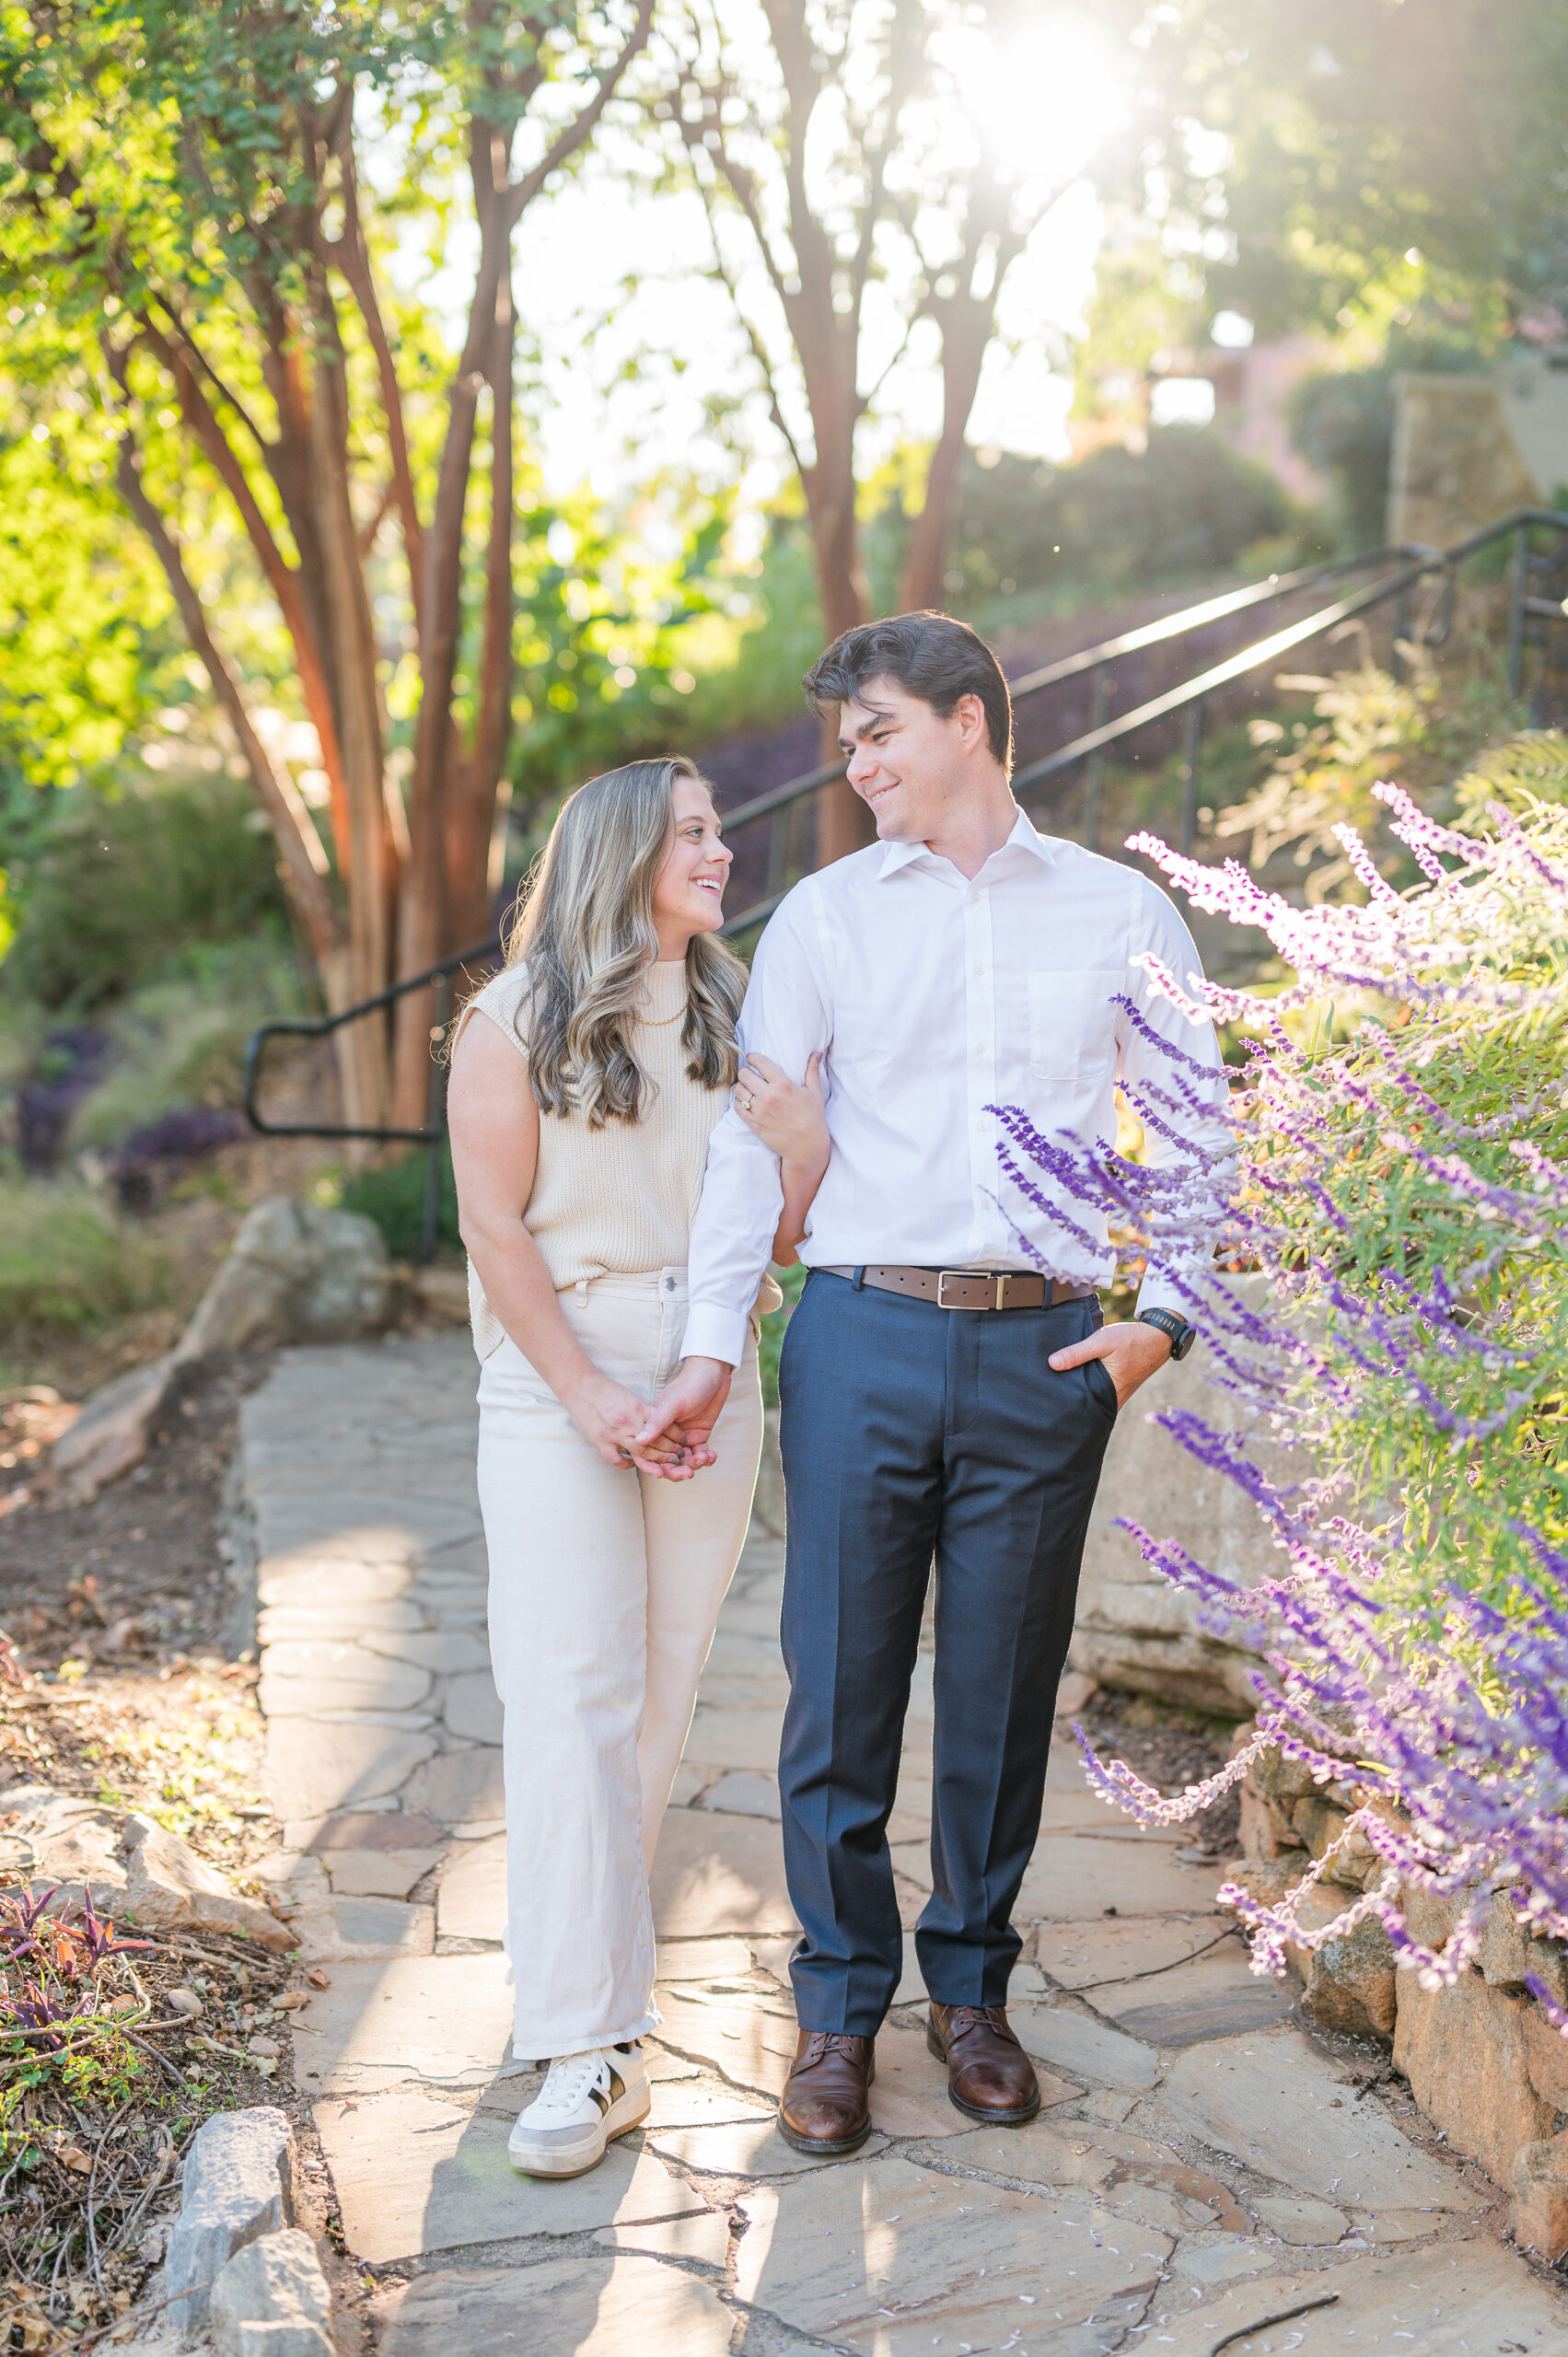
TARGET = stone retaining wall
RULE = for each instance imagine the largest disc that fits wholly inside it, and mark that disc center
(1133, 1629)
(1482, 2059)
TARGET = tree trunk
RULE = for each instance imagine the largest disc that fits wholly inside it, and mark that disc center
(475, 781)
(924, 584)
(843, 822)
(373, 878)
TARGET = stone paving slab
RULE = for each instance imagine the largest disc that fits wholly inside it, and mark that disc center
(460, 1788)
(743, 2149)
(378, 1873)
(882, 2258)
(1199, 2160)
(1469, 2299)
(597, 2305)
(1274, 2101)
(1071, 1878)
(444, 2020)
(471, 1899)
(1198, 2002)
(715, 1874)
(416, 2172)
(1076, 2041)
(313, 1767)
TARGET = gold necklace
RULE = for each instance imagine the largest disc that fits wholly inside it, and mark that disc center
(658, 1022)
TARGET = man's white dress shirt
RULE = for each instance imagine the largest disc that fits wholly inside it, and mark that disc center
(932, 995)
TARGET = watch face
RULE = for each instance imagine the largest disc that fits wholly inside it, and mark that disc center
(1179, 1347)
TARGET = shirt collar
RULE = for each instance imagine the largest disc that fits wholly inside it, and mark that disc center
(1024, 836)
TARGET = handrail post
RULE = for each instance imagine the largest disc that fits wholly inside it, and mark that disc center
(1401, 634)
(1194, 739)
(434, 1120)
(1516, 608)
(1104, 690)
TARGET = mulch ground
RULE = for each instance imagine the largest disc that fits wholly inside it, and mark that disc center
(123, 1619)
(1170, 1749)
(119, 1680)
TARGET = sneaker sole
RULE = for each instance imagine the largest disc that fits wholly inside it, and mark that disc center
(587, 2154)
(978, 2110)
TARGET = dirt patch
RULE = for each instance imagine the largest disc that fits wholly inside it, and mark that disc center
(119, 1614)
(118, 1681)
(1170, 1749)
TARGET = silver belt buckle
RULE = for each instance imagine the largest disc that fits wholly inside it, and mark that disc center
(985, 1276)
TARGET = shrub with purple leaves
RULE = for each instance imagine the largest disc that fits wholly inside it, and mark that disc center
(1396, 1169)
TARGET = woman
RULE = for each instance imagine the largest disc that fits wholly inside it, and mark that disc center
(581, 1104)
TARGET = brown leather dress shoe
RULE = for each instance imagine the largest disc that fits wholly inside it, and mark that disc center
(825, 2107)
(989, 2075)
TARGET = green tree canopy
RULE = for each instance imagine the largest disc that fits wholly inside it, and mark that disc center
(1339, 161)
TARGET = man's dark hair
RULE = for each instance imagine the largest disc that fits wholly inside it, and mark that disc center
(929, 656)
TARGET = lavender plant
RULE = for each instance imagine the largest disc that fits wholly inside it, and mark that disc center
(1394, 1162)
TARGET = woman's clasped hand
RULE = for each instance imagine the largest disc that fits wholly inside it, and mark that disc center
(610, 1418)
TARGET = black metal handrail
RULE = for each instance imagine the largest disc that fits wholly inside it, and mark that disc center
(431, 1136)
(1418, 563)
(1090, 658)
(1412, 562)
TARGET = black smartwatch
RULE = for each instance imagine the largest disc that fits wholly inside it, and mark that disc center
(1181, 1332)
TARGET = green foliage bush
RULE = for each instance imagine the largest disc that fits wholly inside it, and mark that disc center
(181, 1040)
(772, 1343)
(392, 1194)
(109, 887)
(1184, 509)
(67, 1265)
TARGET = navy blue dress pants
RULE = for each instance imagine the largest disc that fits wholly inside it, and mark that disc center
(911, 1434)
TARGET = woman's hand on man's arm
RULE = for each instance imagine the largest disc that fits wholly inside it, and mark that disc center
(792, 1122)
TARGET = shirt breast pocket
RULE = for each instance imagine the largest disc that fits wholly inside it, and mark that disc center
(1073, 1024)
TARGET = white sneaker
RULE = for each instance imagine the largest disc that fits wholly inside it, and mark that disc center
(586, 2100)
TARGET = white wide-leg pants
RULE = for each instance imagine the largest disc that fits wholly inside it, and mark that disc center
(605, 1586)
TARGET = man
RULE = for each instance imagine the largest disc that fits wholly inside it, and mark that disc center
(940, 1397)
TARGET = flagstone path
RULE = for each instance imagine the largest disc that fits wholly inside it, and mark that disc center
(1203, 2172)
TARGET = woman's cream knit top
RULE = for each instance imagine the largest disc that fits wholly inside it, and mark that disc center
(618, 1201)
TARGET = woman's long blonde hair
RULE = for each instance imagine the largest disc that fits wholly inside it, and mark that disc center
(584, 923)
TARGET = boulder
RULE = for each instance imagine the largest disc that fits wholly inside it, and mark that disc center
(1546, 2058)
(1320, 1827)
(112, 1432)
(65, 1845)
(1268, 1880)
(1133, 1629)
(236, 2185)
(1280, 1778)
(272, 2300)
(1464, 2051)
(1267, 1830)
(1349, 1980)
(168, 1888)
(1540, 2190)
(296, 1273)
(439, 1294)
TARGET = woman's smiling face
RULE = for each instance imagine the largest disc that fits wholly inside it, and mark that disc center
(689, 896)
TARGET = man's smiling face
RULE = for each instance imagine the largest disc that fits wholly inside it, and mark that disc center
(907, 765)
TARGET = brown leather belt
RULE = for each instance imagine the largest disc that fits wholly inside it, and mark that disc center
(970, 1288)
